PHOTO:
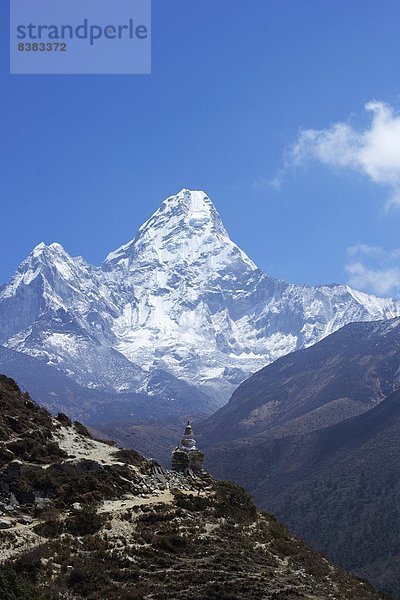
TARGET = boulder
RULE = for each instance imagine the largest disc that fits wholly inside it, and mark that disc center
(43, 503)
(5, 524)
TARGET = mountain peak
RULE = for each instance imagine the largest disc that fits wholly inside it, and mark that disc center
(195, 203)
(39, 248)
(186, 228)
(181, 298)
(189, 197)
(45, 261)
(42, 248)
(190, 209)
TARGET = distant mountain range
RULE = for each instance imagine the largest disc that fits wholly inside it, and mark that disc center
(172, 398)
(343, 375)
(315, 438)
(178, 310)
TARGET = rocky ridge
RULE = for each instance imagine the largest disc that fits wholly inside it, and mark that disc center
(84, 519)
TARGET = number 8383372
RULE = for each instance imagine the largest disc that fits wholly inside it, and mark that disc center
(43, 47)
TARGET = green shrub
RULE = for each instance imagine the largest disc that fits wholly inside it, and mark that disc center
(36, 450)
(232, 501)
(192, 503)
(81, 429)
(30, 563)
(170, 543)
(129, 457)
(14, 587)
(50, 528)
(85, 522)
(10, 383)
(86, 482)
(64, 419)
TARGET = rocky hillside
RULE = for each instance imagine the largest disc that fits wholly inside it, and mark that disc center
(84, 519)
(334, 481)
(337, 488)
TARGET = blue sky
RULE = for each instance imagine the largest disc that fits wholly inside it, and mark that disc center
(86, 159)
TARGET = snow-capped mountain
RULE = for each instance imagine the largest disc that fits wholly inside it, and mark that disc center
(180, 299)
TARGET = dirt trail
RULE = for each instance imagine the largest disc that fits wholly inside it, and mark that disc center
(120, 505)
(165, 497)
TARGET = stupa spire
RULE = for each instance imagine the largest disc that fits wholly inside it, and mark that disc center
(188, 442)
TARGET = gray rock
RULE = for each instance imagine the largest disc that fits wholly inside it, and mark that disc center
(5, 524)
(42, 503)
(13, 500)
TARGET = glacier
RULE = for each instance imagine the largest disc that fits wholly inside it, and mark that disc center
(179, 302)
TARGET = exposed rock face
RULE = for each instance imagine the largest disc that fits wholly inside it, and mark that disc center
(180, 301)
(121, 527)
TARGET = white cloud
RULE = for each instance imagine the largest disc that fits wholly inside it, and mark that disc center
(383, 282)
(373, 251)
(374, 151)
(374, 269)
